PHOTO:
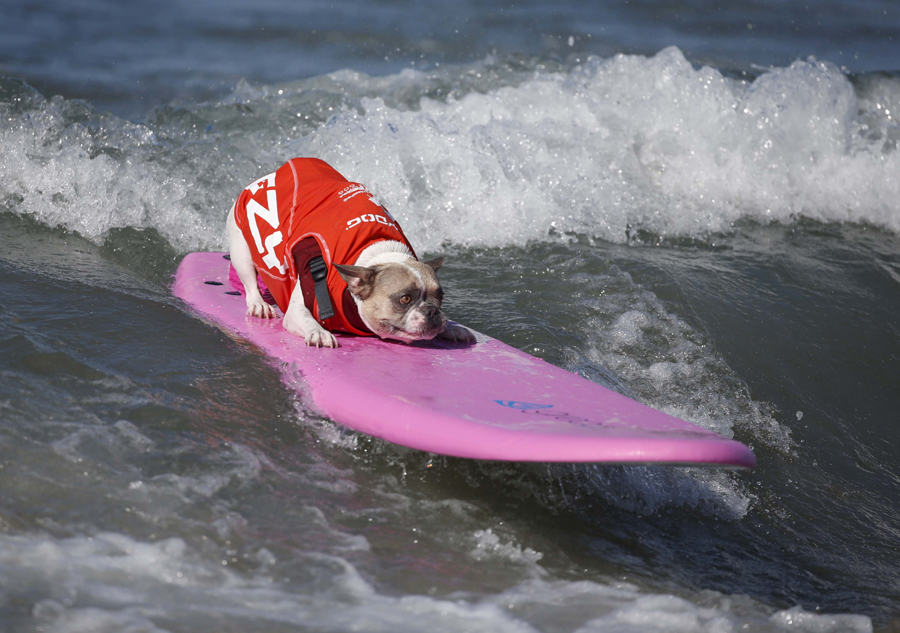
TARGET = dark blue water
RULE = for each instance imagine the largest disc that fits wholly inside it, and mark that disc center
(132, 58)
(693, 202)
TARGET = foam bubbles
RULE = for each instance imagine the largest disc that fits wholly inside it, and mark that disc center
(488, 544)
(796, 619)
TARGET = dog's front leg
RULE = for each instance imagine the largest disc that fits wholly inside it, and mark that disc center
(299, 321)
(243, 264)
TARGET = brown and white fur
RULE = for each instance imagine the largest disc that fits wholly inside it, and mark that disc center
(397, 296)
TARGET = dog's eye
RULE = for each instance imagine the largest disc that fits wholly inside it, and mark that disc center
(405, 299)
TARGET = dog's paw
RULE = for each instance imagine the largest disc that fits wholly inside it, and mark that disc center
(456, 334)
(321, 338)
(261, 309)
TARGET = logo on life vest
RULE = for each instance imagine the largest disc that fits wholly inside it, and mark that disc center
(266, 239)
(370, 217)
(352, 191)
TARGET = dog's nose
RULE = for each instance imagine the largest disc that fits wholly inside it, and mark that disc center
(433, 313)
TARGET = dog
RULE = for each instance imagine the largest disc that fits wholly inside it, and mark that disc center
(333, 259)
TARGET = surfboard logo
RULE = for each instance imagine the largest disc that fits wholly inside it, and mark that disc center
(523, 406)
(536, 411)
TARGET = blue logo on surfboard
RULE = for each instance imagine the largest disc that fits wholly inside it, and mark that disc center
(523, 406)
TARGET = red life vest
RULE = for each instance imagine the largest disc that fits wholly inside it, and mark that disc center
(301, 211)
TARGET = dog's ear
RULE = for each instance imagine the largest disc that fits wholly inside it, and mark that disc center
(359, 279)
(435, 263)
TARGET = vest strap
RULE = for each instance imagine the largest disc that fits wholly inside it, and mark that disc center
(308, 256)
(319, 271)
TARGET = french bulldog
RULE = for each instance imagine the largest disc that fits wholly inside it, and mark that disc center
(397, 296)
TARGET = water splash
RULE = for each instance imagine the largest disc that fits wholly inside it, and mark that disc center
(604, 148)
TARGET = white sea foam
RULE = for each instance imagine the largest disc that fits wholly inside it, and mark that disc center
(606, 148)
(628, 142)
(111, 582)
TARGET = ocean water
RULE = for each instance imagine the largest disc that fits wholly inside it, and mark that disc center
(694, 202)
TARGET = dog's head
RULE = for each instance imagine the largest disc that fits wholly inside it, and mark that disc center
(398, 300)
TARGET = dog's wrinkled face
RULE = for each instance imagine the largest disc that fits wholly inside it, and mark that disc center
(399, 301)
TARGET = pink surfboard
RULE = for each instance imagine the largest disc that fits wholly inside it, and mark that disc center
(482, 401)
